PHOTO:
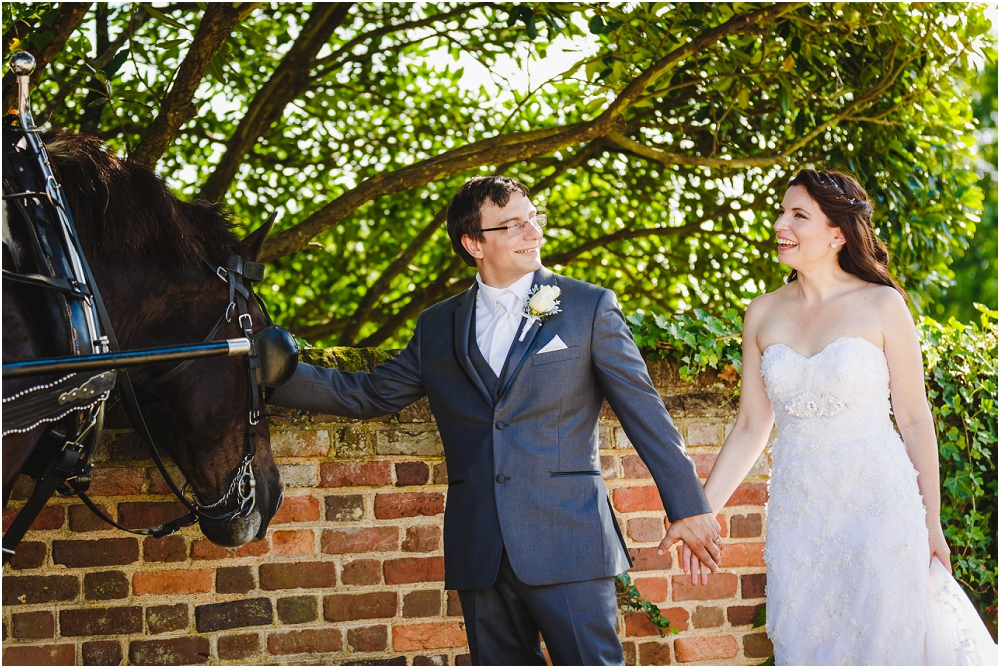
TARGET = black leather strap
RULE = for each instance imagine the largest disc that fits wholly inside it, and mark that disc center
(56, 475)
(52, 282)
(252, 271)
(157, 531)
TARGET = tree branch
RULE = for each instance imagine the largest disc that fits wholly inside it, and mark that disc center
(383, 282)
(345, 50)
(70, 16)
(735, 25)
(319, 330)
(98, 63)
(402, 260)
(289, 80)
(668, 159)
(506, 148)
(621, 235)
(177, 109)
(861, 102)
(420, 300)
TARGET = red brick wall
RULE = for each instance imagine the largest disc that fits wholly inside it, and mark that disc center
(352, 567)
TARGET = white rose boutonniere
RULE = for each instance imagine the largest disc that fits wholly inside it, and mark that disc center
(543, 301)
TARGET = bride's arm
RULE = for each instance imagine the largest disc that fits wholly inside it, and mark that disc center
(745, 442)
(913, 414)
(753, 421)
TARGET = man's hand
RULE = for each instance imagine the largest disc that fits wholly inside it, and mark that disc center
(702, 550)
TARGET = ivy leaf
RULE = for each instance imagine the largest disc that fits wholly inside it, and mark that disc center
(40, 40)
(49, 17)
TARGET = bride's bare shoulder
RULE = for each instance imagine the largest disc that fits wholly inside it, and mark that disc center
(886, 302)
(761, 310)
(765, 303)
(888, 308)
(885, 295)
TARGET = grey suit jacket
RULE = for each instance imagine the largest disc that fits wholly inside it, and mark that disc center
(524, 469)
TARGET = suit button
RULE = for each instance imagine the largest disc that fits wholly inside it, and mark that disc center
(500, 424)
(501, 479)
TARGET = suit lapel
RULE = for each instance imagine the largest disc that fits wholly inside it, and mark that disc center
(521, 349)
(462, 327)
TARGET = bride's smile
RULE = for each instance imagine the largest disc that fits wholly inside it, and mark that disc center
(804, 235)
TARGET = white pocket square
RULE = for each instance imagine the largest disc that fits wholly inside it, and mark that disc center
(555, 344)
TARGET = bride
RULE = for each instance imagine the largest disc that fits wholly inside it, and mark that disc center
(858, 570)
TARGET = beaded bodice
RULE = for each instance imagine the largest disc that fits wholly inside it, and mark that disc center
(849, 373)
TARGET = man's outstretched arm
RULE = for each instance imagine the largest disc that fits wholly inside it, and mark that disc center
(624, 378)
(390, 387)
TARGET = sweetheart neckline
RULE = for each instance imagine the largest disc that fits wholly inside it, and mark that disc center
(824, 348)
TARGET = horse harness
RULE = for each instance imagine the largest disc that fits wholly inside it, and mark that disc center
(30, 185)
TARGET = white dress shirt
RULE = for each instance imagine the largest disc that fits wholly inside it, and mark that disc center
(497, 325)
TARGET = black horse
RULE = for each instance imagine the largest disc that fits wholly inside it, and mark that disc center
(149, 252)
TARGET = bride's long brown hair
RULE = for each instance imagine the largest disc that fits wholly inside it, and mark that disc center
(847, 206)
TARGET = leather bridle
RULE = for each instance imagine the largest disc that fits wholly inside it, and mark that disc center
(243, 487)
(30, 185)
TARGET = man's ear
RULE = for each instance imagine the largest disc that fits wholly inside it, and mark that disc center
(472, 246)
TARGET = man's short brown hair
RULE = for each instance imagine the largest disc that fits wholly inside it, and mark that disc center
(464, 211)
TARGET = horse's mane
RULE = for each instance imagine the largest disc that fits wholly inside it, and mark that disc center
(123, 209)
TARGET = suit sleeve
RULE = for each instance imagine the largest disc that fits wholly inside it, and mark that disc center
(390, 387)
(625, 380)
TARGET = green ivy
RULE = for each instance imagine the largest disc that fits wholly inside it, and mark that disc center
(961, 375)
(631, 602)
(961, 364)
(695, 343)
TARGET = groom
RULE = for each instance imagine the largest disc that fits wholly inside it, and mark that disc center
(530, 539)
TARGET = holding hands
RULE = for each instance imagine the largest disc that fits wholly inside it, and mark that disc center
(702, 552)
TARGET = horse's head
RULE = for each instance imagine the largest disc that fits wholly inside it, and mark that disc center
(204, 411)
(153, 257)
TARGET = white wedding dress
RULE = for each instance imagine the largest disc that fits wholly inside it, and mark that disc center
(847, 557)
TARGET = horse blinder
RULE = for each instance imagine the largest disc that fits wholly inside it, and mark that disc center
(279, 355)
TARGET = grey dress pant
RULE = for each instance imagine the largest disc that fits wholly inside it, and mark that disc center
(506, 621)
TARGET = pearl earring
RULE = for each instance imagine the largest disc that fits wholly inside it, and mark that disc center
(833, 244)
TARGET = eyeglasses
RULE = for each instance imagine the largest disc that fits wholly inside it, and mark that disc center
(516, 228)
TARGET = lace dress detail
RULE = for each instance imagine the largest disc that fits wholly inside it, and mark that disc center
(847, 555)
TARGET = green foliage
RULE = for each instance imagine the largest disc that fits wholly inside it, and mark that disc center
(961, 365)
(875, 88)
(759, 622)
(695, 343)
(961, 376)
(975, 273)
(631, 602)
